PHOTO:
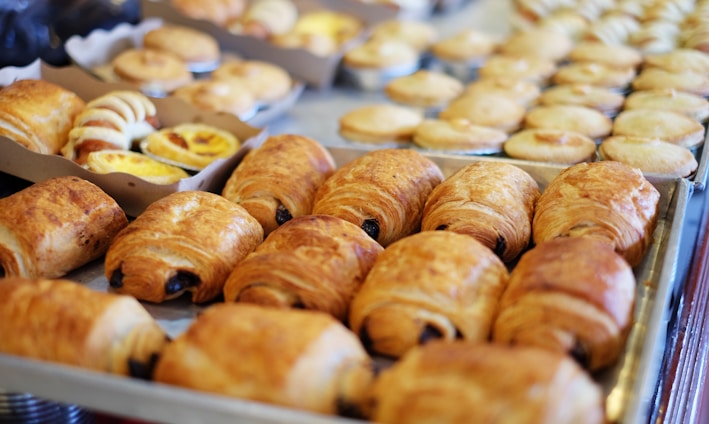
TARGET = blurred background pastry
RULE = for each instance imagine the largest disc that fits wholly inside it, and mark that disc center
(229, 95)
(266, 81)
(458, 135)
(198, 49)
(264, 18)
(157, 72)
(550, 145)
(650, 155)
(380, 123)
(219, 12)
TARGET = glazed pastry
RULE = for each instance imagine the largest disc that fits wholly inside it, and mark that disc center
(650, 155)
(458, 135)
(487, 110)
(192, 145)
(112, 121)
(524, 92)
(665, 125)
(550, 145)
(265, 18)
(526, 68)
(604, 100)
(134, 163)
(65, 322)
(80, 217)
(580, 119)
(227, 95)
(197, 48)
(490, 201)
(219, 12)
(277, 182)
(688, 104)
(299, 359)
(606, 200)
(154, 71)
(383, 192)
(561, 298)
(38, 114)
(187, 241)
(424, 89)
(311, 262)
(380, 123)
(690, 82)
(463, 382)
(267, 82)
(430, 285)
(537, 42)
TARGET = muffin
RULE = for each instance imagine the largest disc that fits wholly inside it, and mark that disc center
(199, 50)
(380, 124)
(602, 99)
(694, 106)
(665, 125)
(424, 89)
(650, 155)
(524, 92)
(459, 136)
(154, 71)
(550, 145)
(490, 110)
(584, 120)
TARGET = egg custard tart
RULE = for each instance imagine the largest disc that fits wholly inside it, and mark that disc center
(138, 164)
(191, 146)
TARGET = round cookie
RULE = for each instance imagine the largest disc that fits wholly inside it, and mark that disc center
(611, 55)
(690, 82)
(228, 95)
(538, 42)
(596, 74)
(524, 92)
(529, 68)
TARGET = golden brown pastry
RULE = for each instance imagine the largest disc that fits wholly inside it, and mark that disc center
(430, 285)
(134, 163)
(465, 382)
(581, 119)
(419, 34)
(198, 49)
(187, 241)
(657, 78)
(526, 68)
(228, 95)
(663, 124)
(550, 145)
(266, 81)
(458, 135)
(572, 295)
(524, 92)
(650, 155)
(311, 262)
(606, 200)
(383, 192)
(265, 18)
(688, 104)
(192, 145)
(38, 114)
(299, 359)
(490, 201)
(277, 182)
(55, 226)
(153, 71)
(468, 46)
(220, 12)
(605, 100)
(380, 123)
(612, 55)
(596, 74)
(62, 321)
(488, 110)
(320, 31)
(679, 60)
(424, 89)
(537, 42)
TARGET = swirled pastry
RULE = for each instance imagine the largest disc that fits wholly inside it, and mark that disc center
(490, 201)
(311, 262)
(65, 322)
(430, 285)
(192, 145)
(607, 200)
(383, 192)
(187, 241)
(55, 226)
(563, 298)
(300, 359)
(109, 122)
(278, 181)
(465, 382)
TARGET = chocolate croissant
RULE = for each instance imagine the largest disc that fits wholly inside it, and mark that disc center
(383, 192)
(430, 285)
(571, 295)
(310, 262)
(491, 201)
(606, 200)
(187, 241)
(300, 359)
(464, 382)
(55, 226)
(65, 322)
(277, 182)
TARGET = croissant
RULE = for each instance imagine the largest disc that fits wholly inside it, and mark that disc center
(111, 121)
(430, 285)
(465, 382)
(491, 201)
(65, 322)
(277, 182)
(571, 295)
(55, 226)
(382, 191)
(295, 358)
(187, 241)
(607, 200)
(311, 262)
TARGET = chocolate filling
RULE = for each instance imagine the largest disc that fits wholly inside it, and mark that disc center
(500, 246)
(116, 280)
(283, 215)
(442, 227)
(371, 227)
(429, 333)
(367, 341)
(142, 370)
(346, 408)
(580, 354)
(180, 281)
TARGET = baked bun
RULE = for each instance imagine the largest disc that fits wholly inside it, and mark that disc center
(219, 12)
(602, 99)
(596, 74)
(690, 82)
(419, 34)
(380, 123)
(488, 110)
(153, 71)
(490, 201)
(38, 114)
(679, 60)
(458, 135)
(527, 68)
(550, 145)
(198, 49)
(277, 182)
(226, 95)
(62, 321)
(265, 18)
(537, 42)
(580, 119)
(469, 46)
(192, 145)
(612, 55)
(381, 54)
(560, 297)
(672, 127)
(650, 155)
(55, 226)
(606, 200)
(688, 104)
(299, 359)
(430, 285)
(266, 81)
(134, 163)
(187, 241)
(424, 89)
(382, 191)
(311, 262)
(524, 92)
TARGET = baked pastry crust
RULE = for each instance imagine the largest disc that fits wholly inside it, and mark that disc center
(672, 127)
(407, 299)
(612, 55)
(550, 145)
(62, 321)
(187, 241)
(55, 226)
(424, 89)
(528, 68)
(193, 46)
(382, 192)
(690, 82)
(192, 145)
(152, 70)
(562, 298)
(679, 60)
(134, 163)
(380, 123)
(689, 104)
(278, 181)
(226, 95)
(650, 155)
(220, 12)
(267, 82)
(488, 110)
(458, 135)
(381, 54)
(596, 74)
(524, 92)
(464, 46)
(602, 99)
(419, 34)
(265, 18)
(581, 119)
(538, 42)
(607, 200)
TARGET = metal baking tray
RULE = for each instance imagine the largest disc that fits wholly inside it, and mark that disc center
(629, 386)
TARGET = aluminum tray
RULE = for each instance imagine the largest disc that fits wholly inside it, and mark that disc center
(629, 386)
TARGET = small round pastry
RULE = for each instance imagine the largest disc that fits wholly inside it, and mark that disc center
(468, 46)
(489, 110)
(665, 125)
(339, 26)
(596, 74)
(679, 60)
(317, 44)
(134, 163)
(420, 35)
(528, 68)
(550, 145)
(668, 99)
(690, 82)
(602, 99)
(155, 71)
(380, 123)
(264, 18)
(584, 120)
(650, 155)
(196, 48)
(424, 89)
(538, 42)
(613, 29)
(220, 12)
(458, 135)
(374, 63)
(567, 22)
(191, 145)
(524, 92)
(655, 38)
(612, 55)
(266, 81)
(229, 95)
